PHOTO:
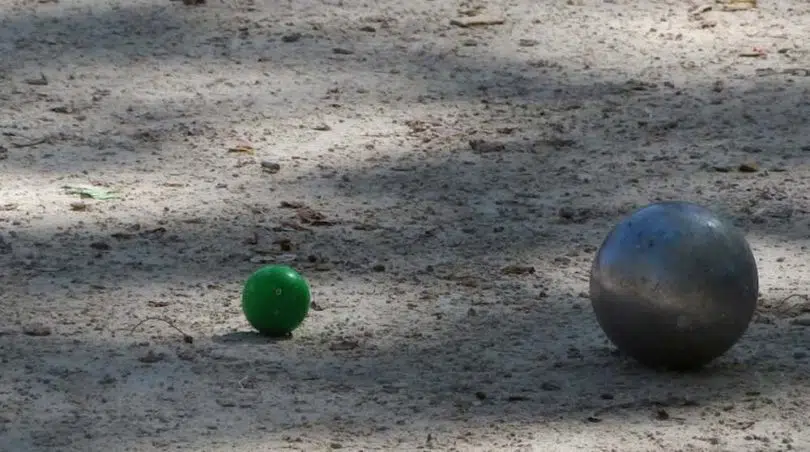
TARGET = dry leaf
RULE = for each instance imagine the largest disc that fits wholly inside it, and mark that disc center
(477, 21)
(518, 270)
(242, 148)
(291, 205)
(739, 5)
(312, 217)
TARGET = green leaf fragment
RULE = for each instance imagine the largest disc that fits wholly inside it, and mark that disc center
(99, 193)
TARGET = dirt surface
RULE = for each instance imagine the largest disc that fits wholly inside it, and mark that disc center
(442, 185)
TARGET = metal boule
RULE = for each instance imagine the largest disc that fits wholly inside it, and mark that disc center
(674, 286)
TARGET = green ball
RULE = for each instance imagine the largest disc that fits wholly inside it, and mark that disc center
(275, 300)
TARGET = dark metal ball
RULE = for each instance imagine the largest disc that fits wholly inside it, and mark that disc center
(674, 286)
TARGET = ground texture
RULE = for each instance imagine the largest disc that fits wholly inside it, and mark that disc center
(442, 185)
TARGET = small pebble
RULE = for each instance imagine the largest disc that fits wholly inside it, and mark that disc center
(270, 167)
(151, 357)
(37, 329)
(292, 37)
(549, 386)
(100, 246)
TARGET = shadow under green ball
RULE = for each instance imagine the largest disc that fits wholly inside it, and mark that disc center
(275, 300)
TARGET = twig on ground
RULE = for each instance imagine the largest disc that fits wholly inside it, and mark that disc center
(30, 143)
(186, 338)
(781, 308)
(783, 300)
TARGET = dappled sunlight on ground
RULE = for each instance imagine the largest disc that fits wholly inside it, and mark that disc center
(443, 189)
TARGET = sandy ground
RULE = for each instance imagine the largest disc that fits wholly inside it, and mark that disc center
(415, 171)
